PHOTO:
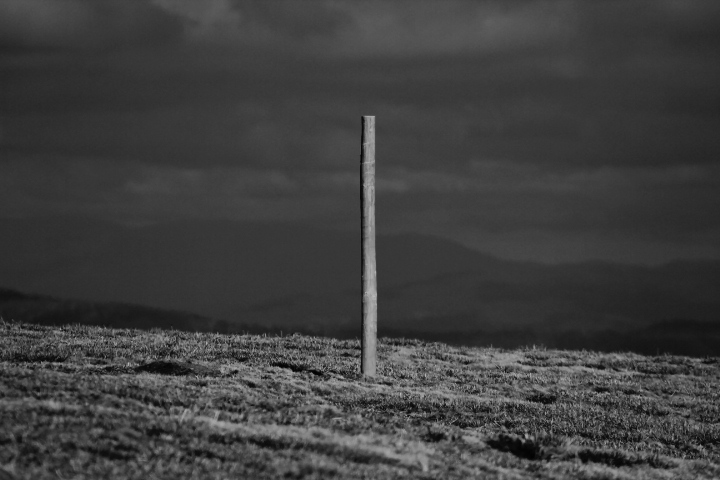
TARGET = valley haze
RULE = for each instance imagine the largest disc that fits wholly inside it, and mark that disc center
(236, 277)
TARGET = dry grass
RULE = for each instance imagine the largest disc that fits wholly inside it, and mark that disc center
(89, 402)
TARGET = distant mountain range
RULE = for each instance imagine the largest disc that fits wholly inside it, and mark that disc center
(46, 310)
(239, 276)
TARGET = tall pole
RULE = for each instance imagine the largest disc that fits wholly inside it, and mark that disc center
(369, 272)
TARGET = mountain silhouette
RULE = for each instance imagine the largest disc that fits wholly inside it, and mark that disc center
(46, 310)
(291, 277)
(212, 268)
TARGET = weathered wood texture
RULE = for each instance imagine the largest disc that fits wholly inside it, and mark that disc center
(368, 363)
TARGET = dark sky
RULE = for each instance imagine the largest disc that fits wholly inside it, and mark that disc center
(544, 130)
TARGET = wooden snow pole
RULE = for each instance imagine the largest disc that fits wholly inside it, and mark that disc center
(369, 273)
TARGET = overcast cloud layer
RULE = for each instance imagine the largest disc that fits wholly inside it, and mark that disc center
(544, 130)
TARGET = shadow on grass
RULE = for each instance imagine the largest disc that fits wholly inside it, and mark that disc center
(548, 447)
(163, 367)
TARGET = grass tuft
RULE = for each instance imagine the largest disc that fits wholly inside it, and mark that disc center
(541, 446)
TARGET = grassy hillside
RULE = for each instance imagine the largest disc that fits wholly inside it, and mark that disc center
(91, 402)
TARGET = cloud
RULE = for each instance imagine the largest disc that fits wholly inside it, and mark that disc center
(371, 28)
(225, 182)
(498, 195)
(514, 178)
(83, 25)
(241, 132)
(510, 209)
(460, 27)
(520, 210)
(297, 20)
(514, 80)
(136, 192)
(238, 24)
(636, 26)
(551, 119)
(397, 29)
(206, 19)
